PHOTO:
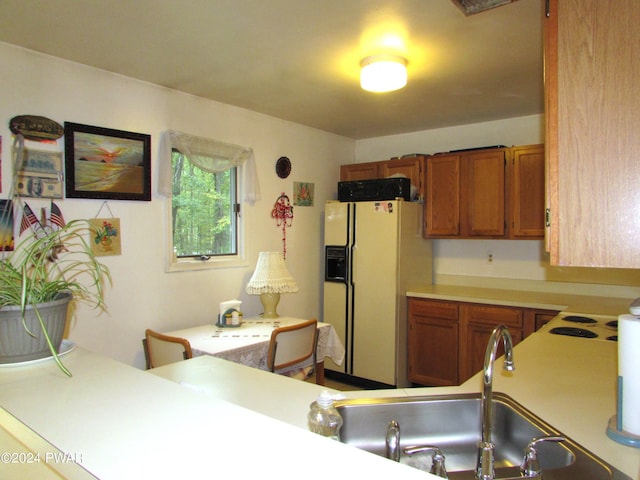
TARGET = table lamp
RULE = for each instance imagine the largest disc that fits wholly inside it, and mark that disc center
(270, 279)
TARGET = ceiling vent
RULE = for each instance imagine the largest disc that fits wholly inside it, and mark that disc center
(469, 7)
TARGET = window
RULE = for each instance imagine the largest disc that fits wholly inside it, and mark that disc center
(205, 182)
(203, 210)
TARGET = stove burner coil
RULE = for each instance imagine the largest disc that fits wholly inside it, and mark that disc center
(573, 332)
(579, 319)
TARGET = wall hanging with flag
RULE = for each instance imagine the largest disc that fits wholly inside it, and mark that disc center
(44, 225)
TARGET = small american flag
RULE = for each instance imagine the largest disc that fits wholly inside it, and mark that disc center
(28, 219)
(56, 217)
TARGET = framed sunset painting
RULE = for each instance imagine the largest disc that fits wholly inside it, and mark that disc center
(106, 164)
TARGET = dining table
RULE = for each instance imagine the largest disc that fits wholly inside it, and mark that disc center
(248, 342)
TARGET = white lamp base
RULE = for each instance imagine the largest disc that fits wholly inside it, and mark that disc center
(269, 303)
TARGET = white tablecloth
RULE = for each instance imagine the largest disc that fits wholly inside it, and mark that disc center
(248, 344)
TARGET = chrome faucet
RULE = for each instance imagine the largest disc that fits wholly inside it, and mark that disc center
(392, 441)
(485, 465)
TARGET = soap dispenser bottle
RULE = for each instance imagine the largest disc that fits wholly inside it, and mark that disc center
(323, 418)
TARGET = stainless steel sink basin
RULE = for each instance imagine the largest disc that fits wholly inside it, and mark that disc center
(452, 423)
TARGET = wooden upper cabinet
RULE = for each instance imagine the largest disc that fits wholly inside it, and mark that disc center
(592, 142)
(526, 192)
(442, 199)
(411, 167)
(483, 193)
(492, 193)
(359, 171)
(465, 195)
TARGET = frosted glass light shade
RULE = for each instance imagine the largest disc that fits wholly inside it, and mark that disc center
(383, 73)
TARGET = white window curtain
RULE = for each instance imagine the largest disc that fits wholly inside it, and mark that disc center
(211, 156)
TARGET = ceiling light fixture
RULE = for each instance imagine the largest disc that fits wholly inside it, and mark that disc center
(383, 73)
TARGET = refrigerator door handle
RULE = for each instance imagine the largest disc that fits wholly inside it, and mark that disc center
(352, 265)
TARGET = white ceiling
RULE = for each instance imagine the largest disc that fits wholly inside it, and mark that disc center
(299, 59)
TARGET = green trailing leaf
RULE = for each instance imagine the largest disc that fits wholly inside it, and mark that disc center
(42, 268)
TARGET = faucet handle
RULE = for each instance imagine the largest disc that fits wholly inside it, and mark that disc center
(530, 466)
(437, 459)
(392, 441)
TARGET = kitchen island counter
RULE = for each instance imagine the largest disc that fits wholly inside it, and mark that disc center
(210, 415)
(120, 422)
(568, 382)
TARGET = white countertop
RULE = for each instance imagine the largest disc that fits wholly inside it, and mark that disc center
(571, 384)
(526, 299)
(209, 414)
(120, 423)
(568, 382)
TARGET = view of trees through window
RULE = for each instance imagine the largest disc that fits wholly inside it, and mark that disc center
(203, 210)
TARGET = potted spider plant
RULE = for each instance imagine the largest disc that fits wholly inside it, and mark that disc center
(40, 281)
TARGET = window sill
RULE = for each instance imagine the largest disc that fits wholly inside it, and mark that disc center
(192, 264)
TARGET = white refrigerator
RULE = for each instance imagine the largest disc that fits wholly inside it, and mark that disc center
(374, 253)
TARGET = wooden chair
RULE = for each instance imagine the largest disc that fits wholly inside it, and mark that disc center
(162, 349)
(291, 345)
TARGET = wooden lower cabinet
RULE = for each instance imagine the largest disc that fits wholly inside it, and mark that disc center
(448, 339)
(542, 317)
(433, 342)
(477, 323)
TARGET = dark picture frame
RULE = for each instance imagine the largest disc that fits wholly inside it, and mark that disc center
(108, 164)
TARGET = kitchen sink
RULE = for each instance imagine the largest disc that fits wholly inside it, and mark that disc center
(453, 424)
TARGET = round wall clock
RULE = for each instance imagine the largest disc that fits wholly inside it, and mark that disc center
(283, 167)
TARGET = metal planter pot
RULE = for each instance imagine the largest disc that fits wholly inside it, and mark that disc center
(16, 345)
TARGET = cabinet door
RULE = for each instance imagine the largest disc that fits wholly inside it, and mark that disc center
(477, 323)
(359, 171)
(550, 38)
(591, 60)
(483, 194)
(433, 342)
(442, 196)
(526, 192)
(410, 167)
(543, 317)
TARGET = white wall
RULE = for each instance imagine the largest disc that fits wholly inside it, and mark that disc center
(515, 259)
(143, 294)
(512, 131)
